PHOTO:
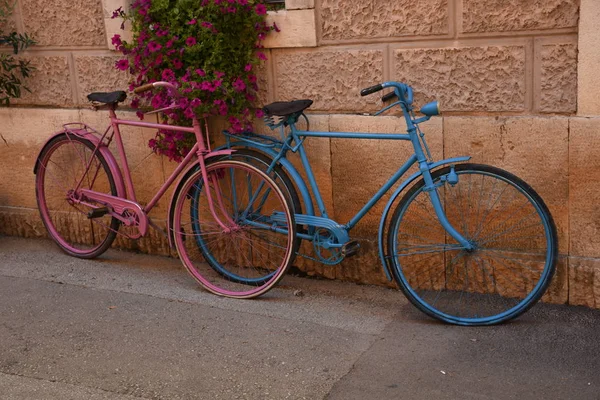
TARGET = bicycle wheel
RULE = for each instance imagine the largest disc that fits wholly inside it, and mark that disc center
(62, 168)
(515, 247)
(253, 253)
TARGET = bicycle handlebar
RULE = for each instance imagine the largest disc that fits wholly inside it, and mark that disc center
(405, 92)
(150, 86)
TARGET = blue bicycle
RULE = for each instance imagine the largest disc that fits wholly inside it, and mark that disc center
(468, 244)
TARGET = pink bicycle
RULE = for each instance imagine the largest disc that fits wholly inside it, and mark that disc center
(219, 219)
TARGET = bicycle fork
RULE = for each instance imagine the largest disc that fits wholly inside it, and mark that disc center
(434, 197)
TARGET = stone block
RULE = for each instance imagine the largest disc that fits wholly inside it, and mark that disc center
(299, 4)
(263, 96)
(98, 74)
(558, 81)
(23, 132)
(488, 78)
(298, 29)
(584, 282)
(355, 19)
(584, 187)
(588, 59)
(64, 22)
(338, 77)
(481, 16)
(558, 291)
(533, 148)
(50, 83)
(24, 222)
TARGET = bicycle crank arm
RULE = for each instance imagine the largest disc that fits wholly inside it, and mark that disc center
(119, 207)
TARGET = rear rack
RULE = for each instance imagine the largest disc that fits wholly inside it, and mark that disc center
(253, 138)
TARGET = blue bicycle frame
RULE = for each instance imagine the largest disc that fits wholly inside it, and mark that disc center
(293, 141)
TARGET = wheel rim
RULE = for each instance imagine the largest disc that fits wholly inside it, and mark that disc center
(60, 169)
(250, 259)
(506, 273)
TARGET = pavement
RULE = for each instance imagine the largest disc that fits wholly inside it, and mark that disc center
(130, 326)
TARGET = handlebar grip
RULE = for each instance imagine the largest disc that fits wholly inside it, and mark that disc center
(143, 88)
(409, 94)
(371, 89)
(388, 96)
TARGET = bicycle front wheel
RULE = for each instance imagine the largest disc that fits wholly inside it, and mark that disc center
(510, 227)
(245, 246)
(67, 164)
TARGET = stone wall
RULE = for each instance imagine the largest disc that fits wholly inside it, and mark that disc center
(509, 75)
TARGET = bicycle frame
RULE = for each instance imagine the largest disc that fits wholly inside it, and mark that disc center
(126, 197)
(294, 141)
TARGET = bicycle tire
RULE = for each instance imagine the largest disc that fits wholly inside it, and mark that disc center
(254, 256)
(491, 284)
(60, 167)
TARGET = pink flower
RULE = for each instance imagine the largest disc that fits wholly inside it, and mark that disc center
(239, 85)
(168, 75)
(140, 115)
(154, 47)
(252, 78)
(276, 27)
(243, 2)
(248, 67)
(190, 41)
(231, 10)
(260, 9)
(116, 40)
(261, 55)
(196, 103)
(201, 72)
(259, 113)
(192, 22)
(177, 64)
(122, 65)
(219, 74)
(135, 103)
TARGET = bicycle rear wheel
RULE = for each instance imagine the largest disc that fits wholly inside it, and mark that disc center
(515, 247)
(62, 168)
(252, 253)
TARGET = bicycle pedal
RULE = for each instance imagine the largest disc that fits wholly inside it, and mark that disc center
(351, 248)
(98, 212)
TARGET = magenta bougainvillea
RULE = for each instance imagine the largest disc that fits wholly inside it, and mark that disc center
(207, 48)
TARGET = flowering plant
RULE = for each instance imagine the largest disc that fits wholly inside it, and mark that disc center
(207, 48)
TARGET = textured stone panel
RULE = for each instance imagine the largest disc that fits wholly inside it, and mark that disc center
(359, 168)
(333, 79)
(558, 78)
(518, 15)
(23, 131)
(355, 19)
(64, 22)
(584, 187)
(98, 74)
(50, 83)
(298, 29)
(490, 78)
(262, 72)
(584, 282)
(588, 59)
(533, 148)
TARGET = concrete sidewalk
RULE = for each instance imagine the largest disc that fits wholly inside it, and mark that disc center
(131, 326)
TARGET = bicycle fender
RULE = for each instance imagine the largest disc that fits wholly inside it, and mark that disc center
(393, 197)
(113, 166)
(288, 167)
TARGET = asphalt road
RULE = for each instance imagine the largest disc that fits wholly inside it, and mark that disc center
(128, 326)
